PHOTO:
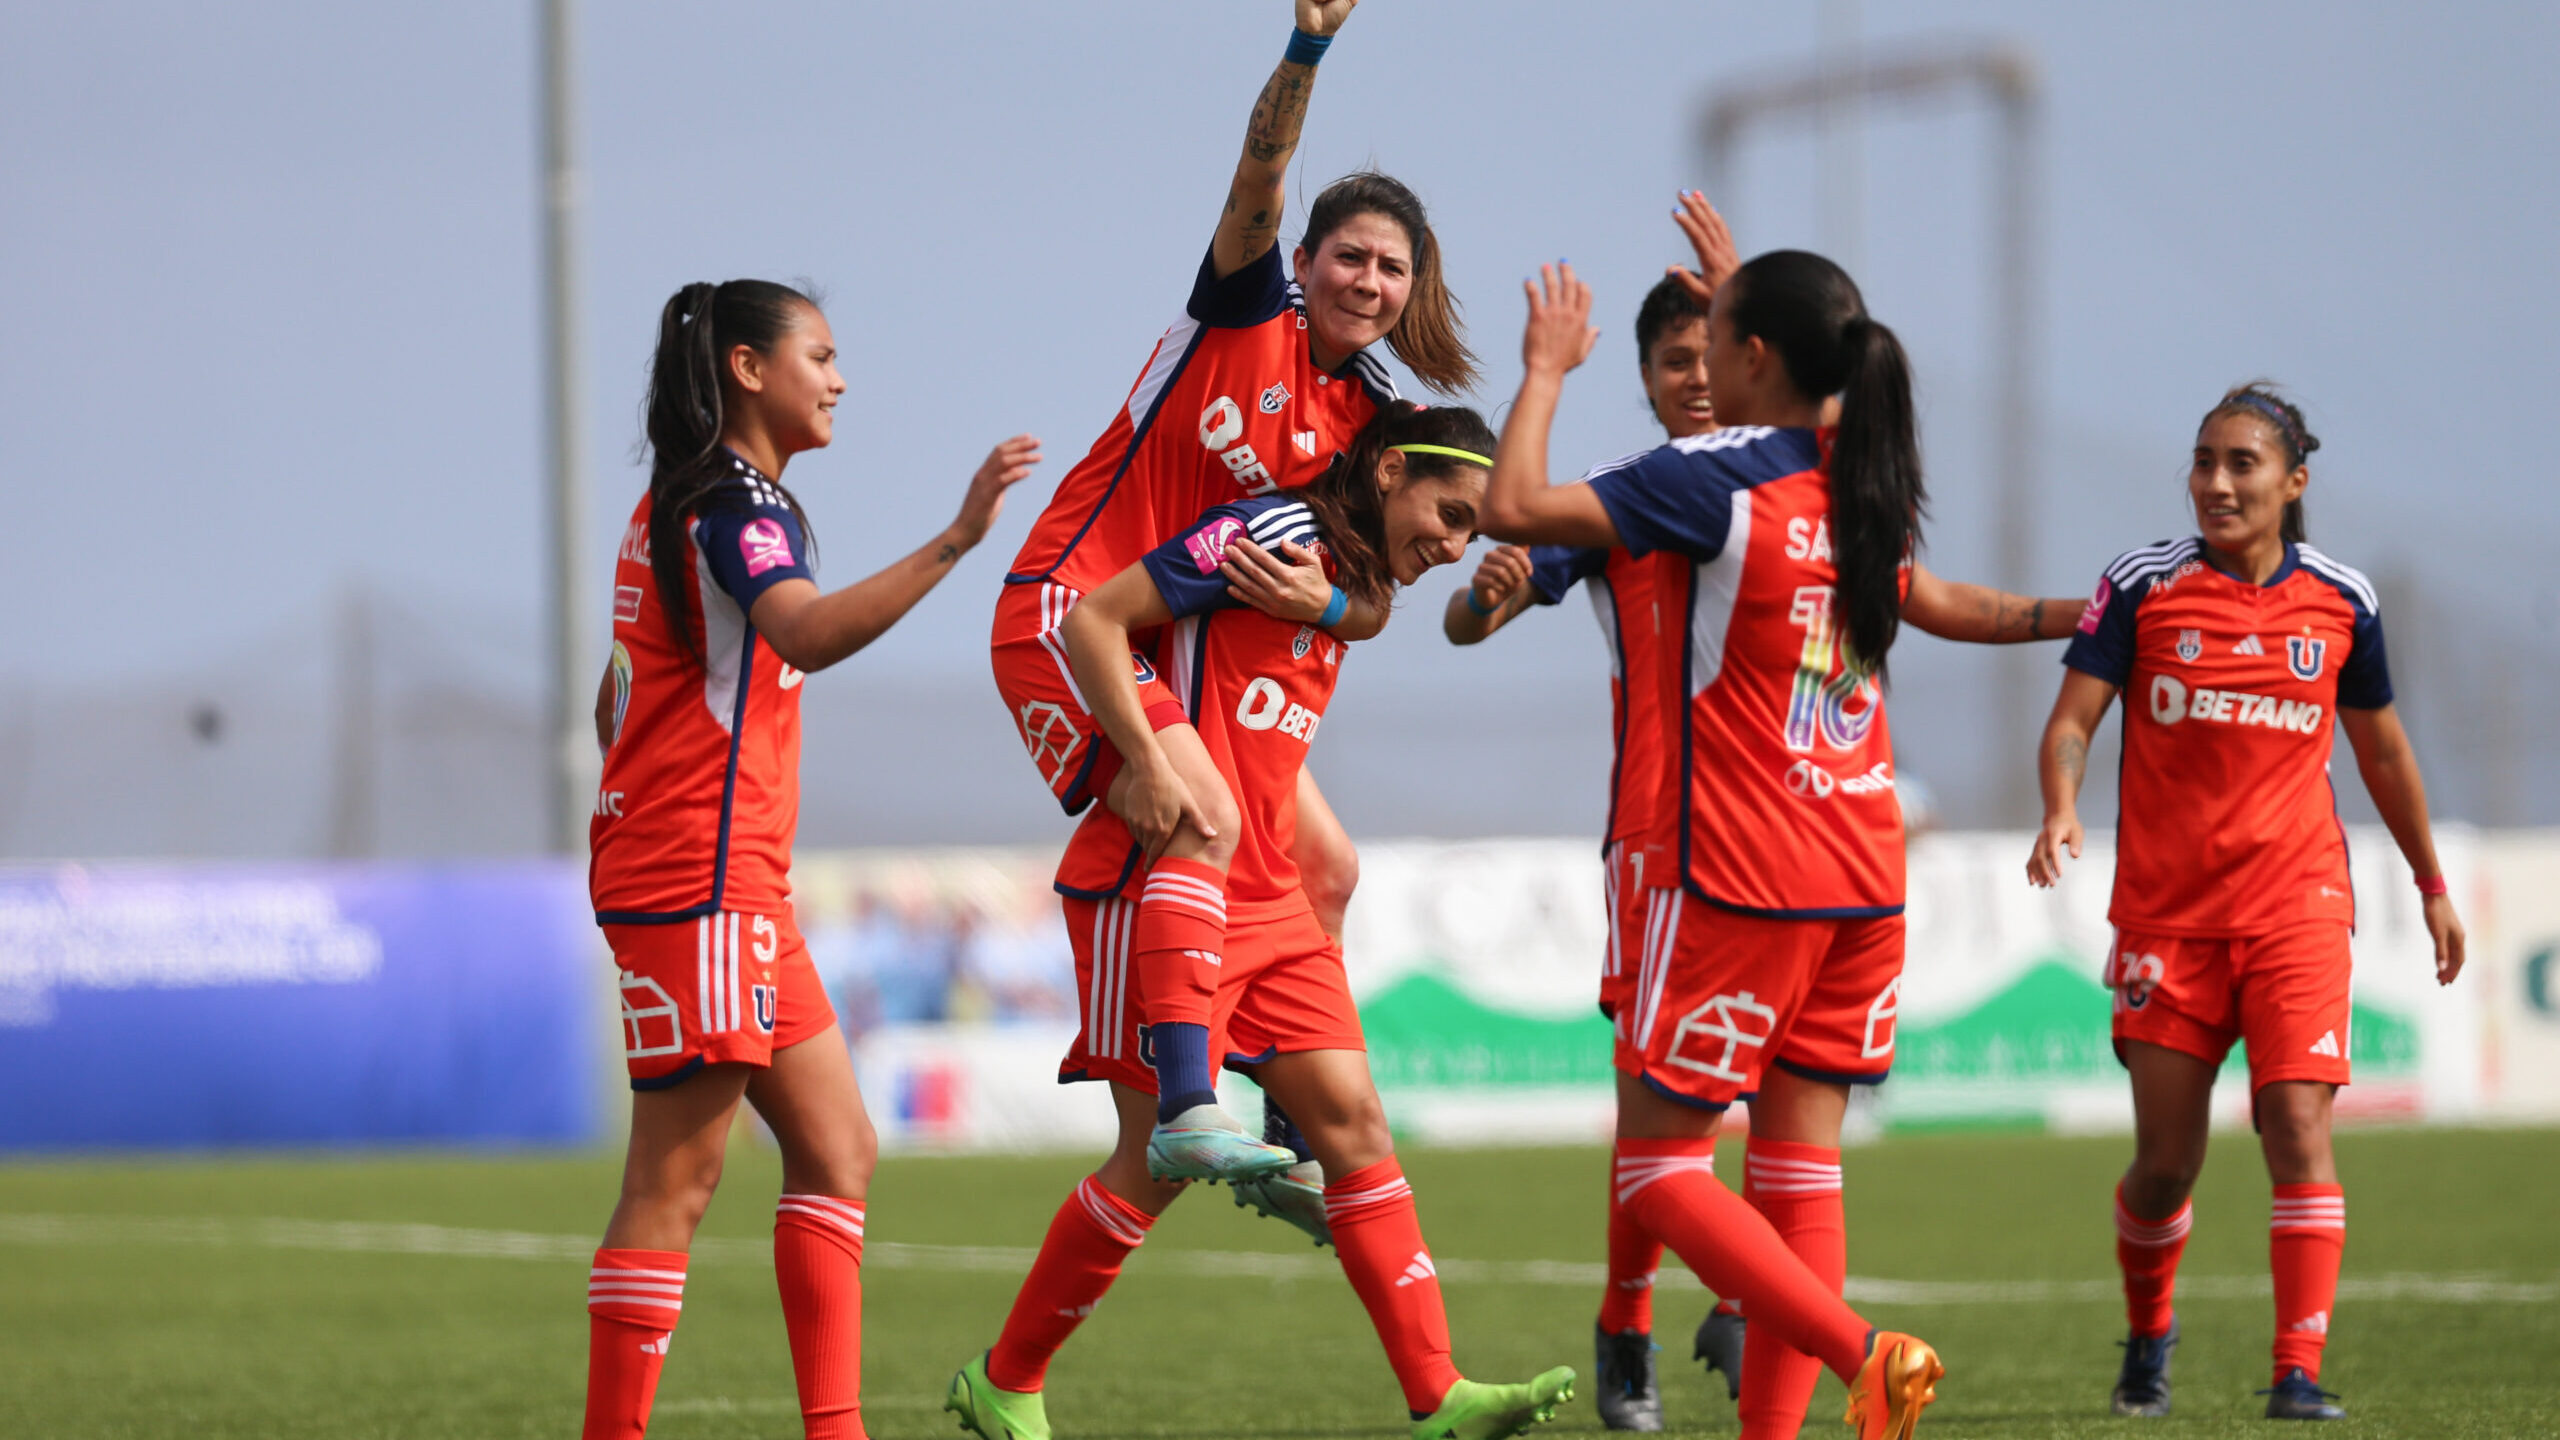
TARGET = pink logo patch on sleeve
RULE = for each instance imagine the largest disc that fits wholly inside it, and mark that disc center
(2097, 606)
(1208, 545)
(764, 545)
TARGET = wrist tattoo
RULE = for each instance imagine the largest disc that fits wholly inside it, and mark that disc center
(948, 553)
(2071, 757)
(2035, 621)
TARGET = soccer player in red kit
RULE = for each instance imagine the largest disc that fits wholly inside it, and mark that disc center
(1636, 600)
(1263, 378)
(1777, 960)
(2239, 650)
(717, 618)
(1253, 689)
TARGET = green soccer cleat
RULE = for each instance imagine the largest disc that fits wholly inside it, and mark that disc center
(1205, 1143)
(992, 1413)
(1295, 1195)
(1474, 1411)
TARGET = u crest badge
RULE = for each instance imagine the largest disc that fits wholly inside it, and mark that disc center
(1306, 638)
(2305, 655)
(2190, 645)
(1275, 397)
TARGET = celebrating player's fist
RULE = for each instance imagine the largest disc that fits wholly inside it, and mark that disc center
(1499, 576)
(1323, 17)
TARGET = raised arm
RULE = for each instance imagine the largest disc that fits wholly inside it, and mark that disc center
(1251, 222)
(2389, 765)
(1497, 595)
(1519, 505)
(1096, 633)
(1980, 615)
(2062, 761)
(811, 630)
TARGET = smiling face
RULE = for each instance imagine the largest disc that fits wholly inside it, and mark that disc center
(1356, 280)
(1675, 380)
(2241, 481)
(793, 389)
(1429, 519)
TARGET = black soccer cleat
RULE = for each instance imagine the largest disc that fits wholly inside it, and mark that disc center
(2296, 1396)
(1626, 1393)
(1720, 1345)
(2142, 1386)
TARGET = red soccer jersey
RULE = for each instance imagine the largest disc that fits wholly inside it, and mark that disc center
(2226, 823)
(1231, 405)
(1629, 596)
(1256, 689)
(1784, 760)
(701, 786)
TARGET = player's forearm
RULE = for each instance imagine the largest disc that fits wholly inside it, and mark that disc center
(1255, 197)
(1980, 615)
(836, 625)
(1517, 498)
(1360, 621)
(2400, 796)
(1098, 652)
(2062, 762)
(1466, 625)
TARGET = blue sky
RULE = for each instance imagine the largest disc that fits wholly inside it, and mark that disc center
(273, 323)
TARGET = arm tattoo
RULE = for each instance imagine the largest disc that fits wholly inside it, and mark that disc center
(946, 554)
(2035, 621)
(2071, 757)
(1278, 113)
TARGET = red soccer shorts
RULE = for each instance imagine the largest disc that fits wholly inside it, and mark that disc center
(1729, 994)
(2284, 993)
(711, 991)
(1066, 744)
(1281, 990)
(1632, 907)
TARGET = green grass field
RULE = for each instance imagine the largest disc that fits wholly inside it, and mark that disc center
(167, 1298)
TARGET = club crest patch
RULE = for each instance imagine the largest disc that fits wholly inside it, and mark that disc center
(2190, 645)
(1306, 638)
(1274, 398)
(2305, 656)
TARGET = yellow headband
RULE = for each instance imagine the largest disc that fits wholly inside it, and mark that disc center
(1469, 456)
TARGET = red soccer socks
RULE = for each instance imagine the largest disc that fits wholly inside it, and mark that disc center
(1635, 1257)
(817, 1264)
(2147, 1251)
(1093, 1232)
(1379, 1239)
(2306, 1240)
(1797, 1187)
(633, 1298)
(1181, 934)
(1670, 1188)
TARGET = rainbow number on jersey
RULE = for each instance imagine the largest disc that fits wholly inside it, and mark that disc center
(1828, 681)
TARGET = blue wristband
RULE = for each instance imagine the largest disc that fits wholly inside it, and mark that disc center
(1333, 610)
(1484, 610)
(1305, 49)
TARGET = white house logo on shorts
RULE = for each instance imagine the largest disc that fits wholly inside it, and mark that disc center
(651, 1026)
(1051, 737)
(2190, 645)
(1731, 1024)
(1274, 398)
(2305, 655)
(1888, 1004)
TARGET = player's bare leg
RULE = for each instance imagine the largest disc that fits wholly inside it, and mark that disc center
(1378, 1238)
(998, 1395)
(2172, 1105)
(2306, 1239)
(679, 1142)
(814, 1105)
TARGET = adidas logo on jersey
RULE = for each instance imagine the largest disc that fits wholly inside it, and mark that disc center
(2249, 646)
(2327, 1044)
(1421, 1269)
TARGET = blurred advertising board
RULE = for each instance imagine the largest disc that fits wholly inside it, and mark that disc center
(1476, 965)
(251, 1005)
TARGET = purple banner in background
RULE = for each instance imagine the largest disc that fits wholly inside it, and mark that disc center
(242, 1005)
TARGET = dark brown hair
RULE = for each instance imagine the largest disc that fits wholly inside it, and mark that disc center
(1348, 505)
(1429, 336)
(2261, 400)
(686, 410)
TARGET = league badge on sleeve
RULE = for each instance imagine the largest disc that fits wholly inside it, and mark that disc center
(2190, 645)
(763, 545)
(2305, 655)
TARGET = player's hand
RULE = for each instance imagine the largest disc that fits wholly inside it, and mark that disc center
(2060, 833)
(1323, 17)
(1288, 586)
(1559, 334)
(1717, 259)
(1159, 805)
(1007, 465)
(2445, 928)
(1499, 576)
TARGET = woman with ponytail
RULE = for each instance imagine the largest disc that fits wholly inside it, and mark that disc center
(1266, 375)
(2240, 651)
(1261, 988)
(717, 617)
(1774, 964)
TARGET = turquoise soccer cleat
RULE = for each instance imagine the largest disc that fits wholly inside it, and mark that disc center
(1205, 1143)
(1475, 1411)
(992, 1413)
(1295, 1195)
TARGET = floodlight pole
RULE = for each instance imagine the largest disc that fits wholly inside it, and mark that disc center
(567, 737)
(2007, 77)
